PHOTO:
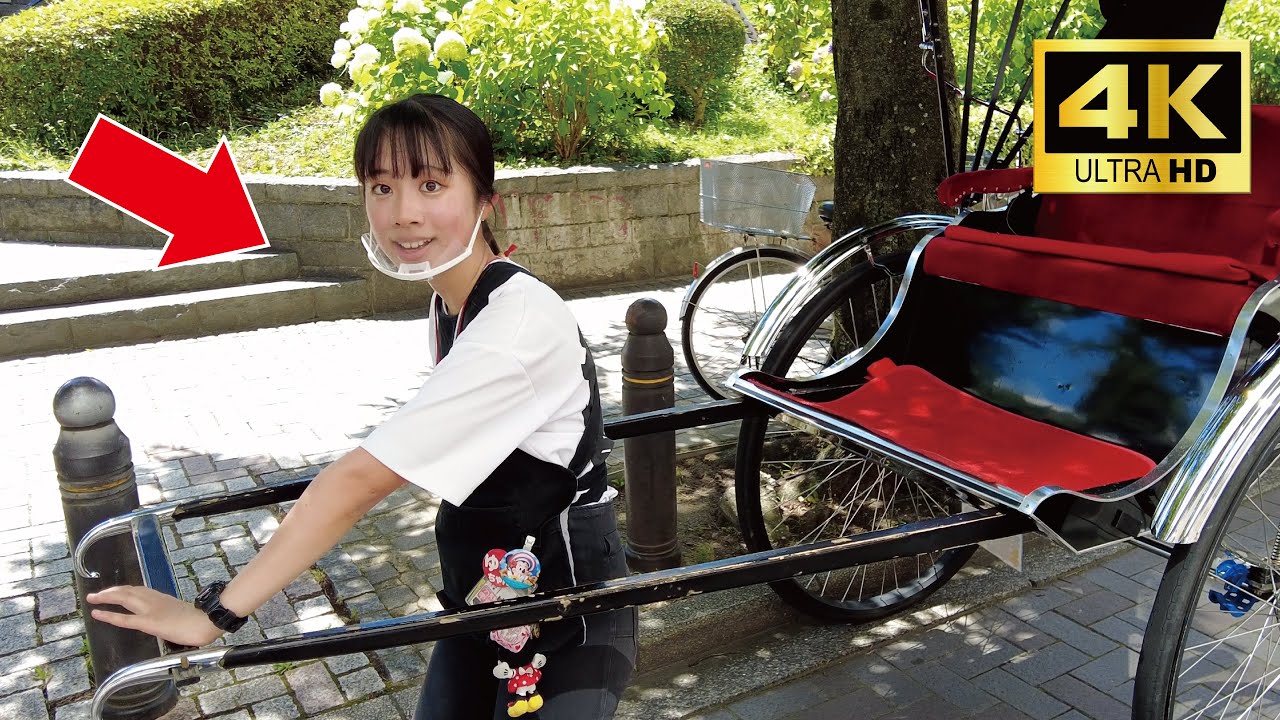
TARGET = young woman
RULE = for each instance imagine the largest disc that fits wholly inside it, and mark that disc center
(507, 430)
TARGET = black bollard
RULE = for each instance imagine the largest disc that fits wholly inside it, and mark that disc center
(648, 383)
(95, 475)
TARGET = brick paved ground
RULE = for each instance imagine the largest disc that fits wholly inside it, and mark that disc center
(1066, 651)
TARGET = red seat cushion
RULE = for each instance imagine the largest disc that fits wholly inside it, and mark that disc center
(915, 410)
(1202, 292)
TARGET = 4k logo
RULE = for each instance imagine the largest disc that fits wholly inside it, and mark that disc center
(1142, 116)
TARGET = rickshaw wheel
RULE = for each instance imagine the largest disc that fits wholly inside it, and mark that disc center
(1212, 644)
(796, 485)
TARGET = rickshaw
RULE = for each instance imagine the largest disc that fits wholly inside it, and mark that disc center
(1099, 369)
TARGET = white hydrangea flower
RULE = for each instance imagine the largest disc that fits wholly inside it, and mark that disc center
(450, 46)
(365, 56)
(344, 111)
(821, 52)
(415, 7)
(826, 97)
(443, 16)
(364, 3)
(339, 59)
(770, 10)
(357, 22)
(331, 94)
(409, 42)
(342, 45)
(794, 69)
(445, 77)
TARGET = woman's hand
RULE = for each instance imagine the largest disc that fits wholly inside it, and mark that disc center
(155, 613)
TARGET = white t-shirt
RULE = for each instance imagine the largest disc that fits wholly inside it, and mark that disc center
(515, 378)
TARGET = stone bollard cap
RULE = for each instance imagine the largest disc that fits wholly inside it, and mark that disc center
(646, 316)
(83, 402)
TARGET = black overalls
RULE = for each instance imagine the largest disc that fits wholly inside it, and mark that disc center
(589, 660)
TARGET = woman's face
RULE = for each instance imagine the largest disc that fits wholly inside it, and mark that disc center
(422, 218)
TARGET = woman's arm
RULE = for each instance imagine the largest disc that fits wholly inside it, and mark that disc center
(339, 496)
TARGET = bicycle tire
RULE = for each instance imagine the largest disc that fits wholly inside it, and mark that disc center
(1183, 609)
(698, 356)
(750, 485)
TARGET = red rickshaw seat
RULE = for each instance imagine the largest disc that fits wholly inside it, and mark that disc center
(913, 409)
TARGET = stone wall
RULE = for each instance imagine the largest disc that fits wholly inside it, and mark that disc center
(575, 227)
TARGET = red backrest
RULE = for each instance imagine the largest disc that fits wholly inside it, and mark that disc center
(1245, 227)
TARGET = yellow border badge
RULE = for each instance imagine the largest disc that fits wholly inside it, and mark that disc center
(1142, 116)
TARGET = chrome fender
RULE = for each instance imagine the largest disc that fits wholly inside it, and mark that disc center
(815, 274)
(1200, 481)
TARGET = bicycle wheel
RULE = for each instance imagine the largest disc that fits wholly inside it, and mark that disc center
(796, 485)
(725, 304)
(1212, 644)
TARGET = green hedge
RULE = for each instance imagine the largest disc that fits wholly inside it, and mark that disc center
(155, 65)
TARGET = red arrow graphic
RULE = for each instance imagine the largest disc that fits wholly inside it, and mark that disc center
(204, 212)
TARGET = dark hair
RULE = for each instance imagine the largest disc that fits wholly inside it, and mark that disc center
(431, 131)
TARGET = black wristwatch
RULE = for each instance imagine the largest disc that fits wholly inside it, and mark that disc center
(209, 602)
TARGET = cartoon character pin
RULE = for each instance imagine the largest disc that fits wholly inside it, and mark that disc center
(506, 575)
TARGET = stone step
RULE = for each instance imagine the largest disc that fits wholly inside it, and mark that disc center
(40, 331)
(37, 275)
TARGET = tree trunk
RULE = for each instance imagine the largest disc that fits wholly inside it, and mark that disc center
(888, 144)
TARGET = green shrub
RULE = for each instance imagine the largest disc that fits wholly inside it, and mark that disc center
(1257, 21)
(706, 39)
(153, 65)
(795, 41)
(538, 73)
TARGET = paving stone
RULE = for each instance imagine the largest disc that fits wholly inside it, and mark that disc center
(346, 663)
(1038, 666)
(367, 607)
(16, 605)
(1095, 606)
(397, 596)
(304, 586)
(361, 683)
(275, 611)
(279, 708)
(46, 550)
(414, 539)
(68, 677)
(56, 603)
(978, 657)
(238, 551)
(189, 526)
(212, 536)
(1075, 634)
(890, 683)
(197, 465)
(379, 573)
(210, 569)
(1119, 631)
(15, 568)
(782, 701)
(194, 552)
(1134, 562)
(1012, 629)
(55, 566)
(1023, 697)
(77, 711)
(17, 633)
(314, 688)
(312, 607)
(1119, 584)
(378, 709)
(1093, 704)
(241, 694)
(910, 653)
(402, 663)
(1028, 606)
(1109, 670)
(27, 705)
(407, 700)
(862, 703)
(18, 681)
(251, 672)
(61, 630)
(320, 622)
(954, 689)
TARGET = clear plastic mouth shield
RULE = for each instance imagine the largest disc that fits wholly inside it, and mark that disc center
(414, 271)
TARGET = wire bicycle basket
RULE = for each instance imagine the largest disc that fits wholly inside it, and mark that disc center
(754, 200)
